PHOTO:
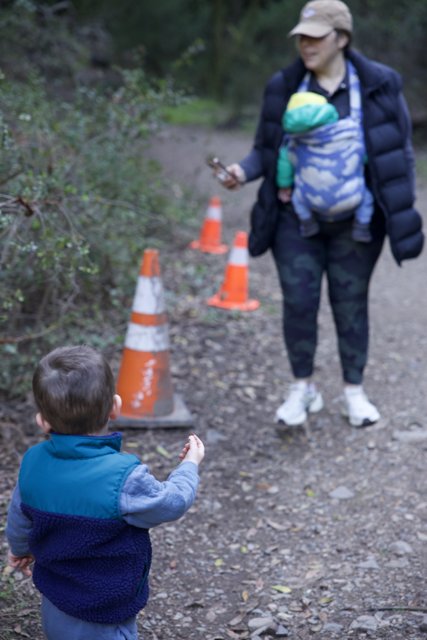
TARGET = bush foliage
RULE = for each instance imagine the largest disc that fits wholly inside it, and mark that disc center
(79, 202)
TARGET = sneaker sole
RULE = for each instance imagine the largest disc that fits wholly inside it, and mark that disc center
(357, 422)
(295, 423)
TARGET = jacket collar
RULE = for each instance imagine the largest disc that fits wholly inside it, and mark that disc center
(371, 74)
(77, 446)
(296, 71)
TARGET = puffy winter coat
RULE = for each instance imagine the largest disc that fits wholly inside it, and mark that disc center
(389, 174)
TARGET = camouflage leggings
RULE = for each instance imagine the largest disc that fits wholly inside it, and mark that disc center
(348, 265)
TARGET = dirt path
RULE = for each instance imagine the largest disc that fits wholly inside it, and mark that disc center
(316, 532)
(273, 509)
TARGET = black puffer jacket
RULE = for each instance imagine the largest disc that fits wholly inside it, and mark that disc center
(388, 170)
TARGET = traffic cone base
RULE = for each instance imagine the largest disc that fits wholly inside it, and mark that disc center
(144, 381)
(180, 417)
(208, 248)
(218, 301)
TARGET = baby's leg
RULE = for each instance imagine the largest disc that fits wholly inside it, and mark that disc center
(362, 218)
(309, 225)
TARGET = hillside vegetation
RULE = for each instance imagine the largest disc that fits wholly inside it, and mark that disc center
(79, 200)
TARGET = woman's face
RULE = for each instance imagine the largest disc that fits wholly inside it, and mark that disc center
(319, 54)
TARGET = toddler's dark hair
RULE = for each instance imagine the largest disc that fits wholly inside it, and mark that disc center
(73, 389)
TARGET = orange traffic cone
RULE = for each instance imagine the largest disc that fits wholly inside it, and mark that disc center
(144, 381)
(210, 235)
(234, 290)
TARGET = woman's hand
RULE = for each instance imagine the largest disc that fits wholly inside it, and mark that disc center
(234, 178)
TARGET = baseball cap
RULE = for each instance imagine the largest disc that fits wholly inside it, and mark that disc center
(320, 17)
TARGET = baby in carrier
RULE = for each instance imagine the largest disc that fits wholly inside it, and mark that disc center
(321, 165)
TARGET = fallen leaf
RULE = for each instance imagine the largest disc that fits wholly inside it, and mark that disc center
(132, 444)
(245, 596)
(20, 632)
(263, 486)
(276, 526)
(163, 452)
(219, 562)
(250, 392)
(281, 588)
(235, 621)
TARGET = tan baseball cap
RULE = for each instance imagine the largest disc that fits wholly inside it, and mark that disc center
(320, 17)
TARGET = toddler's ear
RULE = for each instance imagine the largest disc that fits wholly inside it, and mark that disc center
(117, 405)
(43, 424)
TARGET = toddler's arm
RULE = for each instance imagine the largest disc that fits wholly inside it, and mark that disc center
(285, 169)
(18, 528)
(146, 502)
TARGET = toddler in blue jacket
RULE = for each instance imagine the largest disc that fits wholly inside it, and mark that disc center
(82, 509)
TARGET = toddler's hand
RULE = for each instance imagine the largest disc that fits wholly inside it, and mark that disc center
(193, 450)
(284, 195)
(20, 563)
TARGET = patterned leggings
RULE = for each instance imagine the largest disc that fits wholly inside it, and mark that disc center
(301, 263)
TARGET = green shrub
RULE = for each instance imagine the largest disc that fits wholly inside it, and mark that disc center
(81, 202)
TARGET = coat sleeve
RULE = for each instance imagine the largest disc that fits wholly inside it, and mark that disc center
(18, 526)
(406, 126)
(252, 164)
(146, 502)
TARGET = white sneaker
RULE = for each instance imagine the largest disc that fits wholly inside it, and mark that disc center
(357, 408)
(302, 397)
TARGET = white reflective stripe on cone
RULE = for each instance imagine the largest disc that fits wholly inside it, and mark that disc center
(238, 256)
(214, 213)
(149, 296)
(142, 338)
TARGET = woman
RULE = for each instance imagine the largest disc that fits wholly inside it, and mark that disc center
(328, 66)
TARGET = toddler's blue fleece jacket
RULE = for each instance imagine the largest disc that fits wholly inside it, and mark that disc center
(83, 509)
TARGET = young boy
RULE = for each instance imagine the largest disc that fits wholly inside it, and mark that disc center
(82, 509)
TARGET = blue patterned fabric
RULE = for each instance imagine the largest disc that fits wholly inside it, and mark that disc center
(330, 162)
(301, 119)
(90, 563)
